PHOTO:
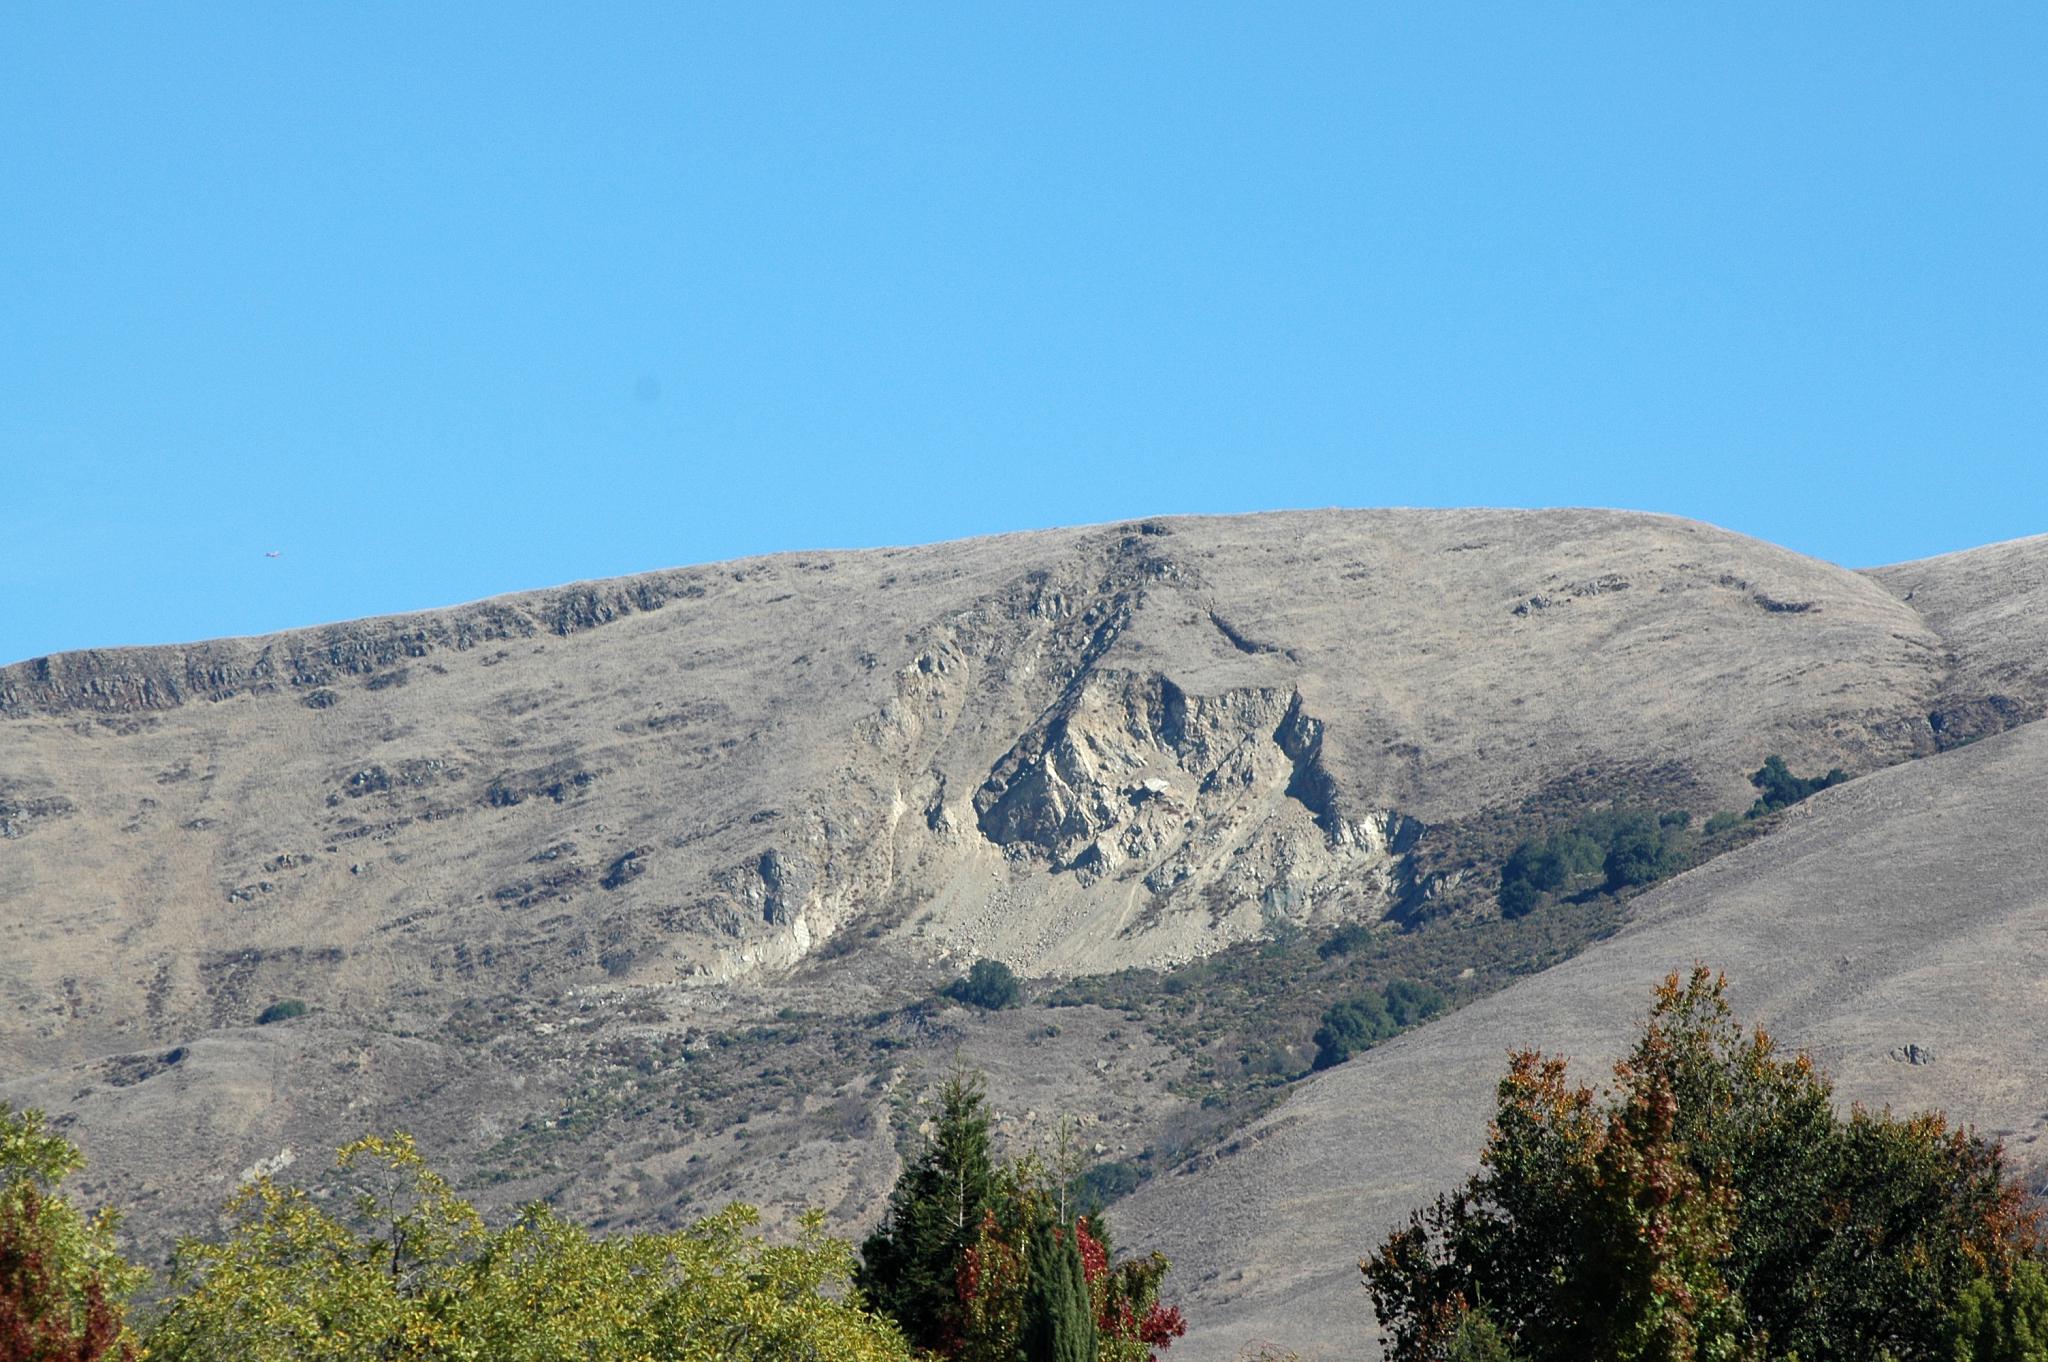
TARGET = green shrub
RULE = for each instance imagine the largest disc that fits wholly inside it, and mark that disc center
(1359, 1023)
(989, 985)
(1722, 822)
(1638, 852)
(1780, 788)
(1104, 1183)
(1410, 1003)
(281, 1011)
(2002, 1323)
(1350, 1025)
(1351, 937)
(1623, 848)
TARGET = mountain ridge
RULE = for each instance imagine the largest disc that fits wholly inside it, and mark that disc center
(570, 878)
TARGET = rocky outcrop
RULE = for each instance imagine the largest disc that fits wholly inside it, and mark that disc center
(138, 680)
(1133, 777)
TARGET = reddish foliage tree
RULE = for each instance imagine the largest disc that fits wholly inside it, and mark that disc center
(43, 1318)
(1131, 1323)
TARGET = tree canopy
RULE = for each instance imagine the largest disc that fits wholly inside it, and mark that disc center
(408, 1271)
(1713, 1205)
(1778, 788)
(63, 1284)
(909, 1264)
(987, 1261)
(988, 984)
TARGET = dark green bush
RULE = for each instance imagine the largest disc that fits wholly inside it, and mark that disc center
(281, 1011)
(1410, 1003)
(989, 985)
(1105, 1183)
(1350, 1025)
(1352, 936)
(1360, 1022)
(1638, 852)
(1621, 847)
(1780, 788)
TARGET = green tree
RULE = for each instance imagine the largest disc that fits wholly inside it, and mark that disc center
(1637, 857)
(910, 1263)
(1713, 1206)
(2002, 1323)
(63, 1284)
(1028, 1213)
(1778, 788)
(408, 1272)
(1518, 898)
(1411, 1003)
(1350, 1025)
(1058, 1317)
(1360, 1022)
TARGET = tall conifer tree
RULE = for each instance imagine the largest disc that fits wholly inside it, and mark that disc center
(1059, 1319)
(909, 1264)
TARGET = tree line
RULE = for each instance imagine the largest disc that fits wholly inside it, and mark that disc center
(1611, 850)
(976, 1259)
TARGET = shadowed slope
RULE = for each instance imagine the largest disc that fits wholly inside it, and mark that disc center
(1990, 606)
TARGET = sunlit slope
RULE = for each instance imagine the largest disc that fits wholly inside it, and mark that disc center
(1906, 909)
(1074, 749)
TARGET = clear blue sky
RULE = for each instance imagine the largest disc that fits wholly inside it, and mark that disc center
(449, 300)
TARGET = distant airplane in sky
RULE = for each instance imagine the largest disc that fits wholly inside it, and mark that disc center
(273, 553)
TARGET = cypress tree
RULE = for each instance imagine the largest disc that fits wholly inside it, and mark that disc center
(1059, 1323)
(908, 1264)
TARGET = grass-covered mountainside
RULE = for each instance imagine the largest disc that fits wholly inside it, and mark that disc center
(645, 895)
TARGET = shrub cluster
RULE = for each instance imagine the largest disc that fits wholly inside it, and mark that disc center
(1363, 1020)
(1617, 848)
(1778, 788)
(1608, 850)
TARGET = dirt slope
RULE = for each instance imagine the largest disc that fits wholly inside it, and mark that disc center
(1909, 908)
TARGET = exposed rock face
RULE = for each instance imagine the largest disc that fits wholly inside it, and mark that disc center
(1133, 778)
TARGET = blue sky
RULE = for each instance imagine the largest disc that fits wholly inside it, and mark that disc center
(449, 300)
